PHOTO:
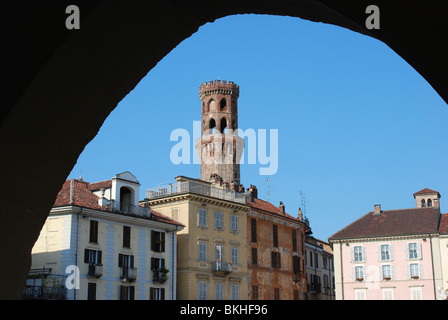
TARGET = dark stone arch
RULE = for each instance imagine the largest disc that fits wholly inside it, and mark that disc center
(60, 85)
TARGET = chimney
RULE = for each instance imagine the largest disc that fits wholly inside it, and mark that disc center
(300, 215)
(253, 192)
(102, 201)
(281, 207)
(377, 208)
(436, 203)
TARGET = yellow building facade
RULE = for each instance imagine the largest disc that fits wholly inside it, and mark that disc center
(212, 248)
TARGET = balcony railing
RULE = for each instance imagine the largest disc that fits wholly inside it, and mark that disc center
(95, 270)
(194, 187)
(221, 267)
(44, 293)
(128, 274)
(125, 208)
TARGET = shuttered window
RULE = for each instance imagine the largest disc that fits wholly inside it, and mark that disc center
(93, 234)
(157, 241)
(253, 229)
(126, 237)
(275, 235)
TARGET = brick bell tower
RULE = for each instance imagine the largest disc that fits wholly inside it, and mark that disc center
(220, 148)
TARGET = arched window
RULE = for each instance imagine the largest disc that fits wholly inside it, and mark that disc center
(126, 200)
(423, 203)
(212, 125)
(429, 203)
(223, 104)
(223, 125)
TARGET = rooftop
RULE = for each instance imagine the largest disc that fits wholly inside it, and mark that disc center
(392, 223)
(79, 193)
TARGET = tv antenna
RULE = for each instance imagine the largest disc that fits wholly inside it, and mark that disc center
(268, 193)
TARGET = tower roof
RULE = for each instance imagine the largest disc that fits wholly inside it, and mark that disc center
(427, 191)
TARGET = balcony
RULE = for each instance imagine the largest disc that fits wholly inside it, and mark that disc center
(128, 274)
(160, 275)
(130, 209)
(314, 288)
(95, 270)
(44, 293)
(221, 267)
(180, 187)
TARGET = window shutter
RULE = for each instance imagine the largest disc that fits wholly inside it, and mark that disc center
(120, 260)
(352, 254)
(131, 292)
(420, 270)
(364, 256)
(392, 272)
(151, 293)
(99, 257)
(86, 255)
(406, 251)
(162, 245)
(122, 293)
(378, 252)
(353, 274)
(132, 261)
(162, 294)
(253, 224)
(408, 271)
(419, 250)
(391, 251)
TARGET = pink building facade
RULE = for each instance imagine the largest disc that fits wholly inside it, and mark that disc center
(391, 254)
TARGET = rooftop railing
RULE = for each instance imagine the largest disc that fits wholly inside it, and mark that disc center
(125, 208)
(194, 187)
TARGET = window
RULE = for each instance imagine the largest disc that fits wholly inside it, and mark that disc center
(295, 264)
(275, 235)
(218, 220)
(233, 222)
(276, 293)
(93, 235)
(126, 263)
(253, 229)
(385, 252)
(92, 256)
(157, 263)
(127, 292)
(254, 292)
(254, 256)
(388, 293)
(202, 217)
(414, 270)
(235, 291)
(202, 248)
(156, 293)
(202, 290)
(413, 251)
(275, 260)
(174, 213)
(157, 241)
(219, 252)
(316, 260)
(358, 254)
(416, 293)
(219, 291)
(234, 253)
(294, 240)
(429, 203)
(359, 273)
(423, 203)
(360, 294)
(325, 262)
(311, 258)
(386, 271)
(126, 237)
(91, 291)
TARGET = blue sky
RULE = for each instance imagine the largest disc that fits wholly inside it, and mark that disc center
(357, 125)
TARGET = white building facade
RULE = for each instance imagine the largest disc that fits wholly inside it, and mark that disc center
(98, 244)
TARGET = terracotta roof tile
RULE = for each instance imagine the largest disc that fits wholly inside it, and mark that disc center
(392, 223)
(443, 228)
(426, 191)
(81, 195)
(269, 207)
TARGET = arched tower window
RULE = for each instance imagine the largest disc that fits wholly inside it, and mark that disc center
(429, 203)
(125, 199)
(212, 125)
(423, 203)
(223, 125)
(223, 104)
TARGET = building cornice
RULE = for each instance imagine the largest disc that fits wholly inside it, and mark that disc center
(115, 217)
